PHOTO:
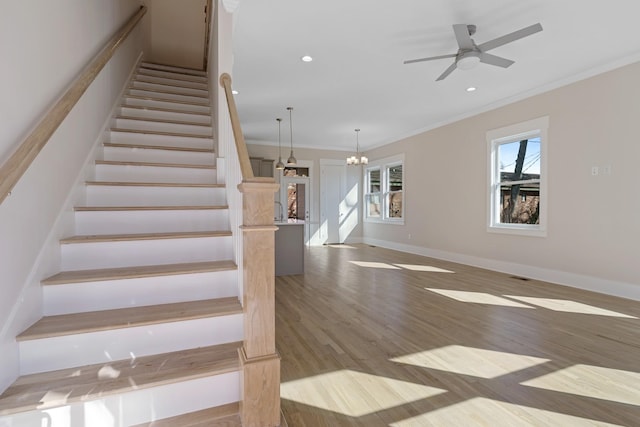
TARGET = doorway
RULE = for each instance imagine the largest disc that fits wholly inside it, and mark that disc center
(294, 195)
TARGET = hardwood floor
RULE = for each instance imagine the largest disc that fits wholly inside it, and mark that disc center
(373, 337)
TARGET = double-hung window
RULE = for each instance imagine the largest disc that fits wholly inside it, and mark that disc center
(517, 178)
(384, 195)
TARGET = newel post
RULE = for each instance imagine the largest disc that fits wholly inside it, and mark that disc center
(259, 360)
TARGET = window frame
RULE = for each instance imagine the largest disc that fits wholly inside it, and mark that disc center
(368, 193)
(513, 133)
(383, 165)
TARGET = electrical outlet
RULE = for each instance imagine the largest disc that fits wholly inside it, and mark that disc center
(595, 170)
(606, 170)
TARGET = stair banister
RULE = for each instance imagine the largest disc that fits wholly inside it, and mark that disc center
(20, 160)
(259, 359)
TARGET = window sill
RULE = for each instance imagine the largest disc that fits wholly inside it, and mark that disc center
(518, 230)
(385, 221)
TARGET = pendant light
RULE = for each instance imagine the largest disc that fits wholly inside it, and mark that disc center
(357, 159)
(279, 165)
(291, 161)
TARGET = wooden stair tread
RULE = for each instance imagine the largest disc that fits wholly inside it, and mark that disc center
(150, 72)
(153, 164)
(175, 70)
(145, 78)
(220, 416)
(119, 273)
(151, 184)
(78, 323)
(142, 236)
(148, 208)
(163, 133)
(158, 147)
(169, 100)
(38, 391)
(173, 122)
(164, 110)
(169, 92)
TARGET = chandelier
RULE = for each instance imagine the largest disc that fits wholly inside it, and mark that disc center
(357, 159)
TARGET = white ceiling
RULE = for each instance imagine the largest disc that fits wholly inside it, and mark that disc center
(357, 78)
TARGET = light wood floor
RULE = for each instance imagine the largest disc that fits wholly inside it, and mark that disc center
(372, 337)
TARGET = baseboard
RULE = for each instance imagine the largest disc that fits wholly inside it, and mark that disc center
(574, 280)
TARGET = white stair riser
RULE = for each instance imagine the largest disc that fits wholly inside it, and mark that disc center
(48, 354)
(133, 173)
(170, 96)
(165, 115)
(136, 154)
(163, 140)
(124, 123)
(170, 81)
(82, 256)
(170, 88)
(138, 406)
(110, 294)
(167, 104)
(122, 222)
(101, 195)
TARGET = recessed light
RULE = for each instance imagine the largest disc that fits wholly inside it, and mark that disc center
(235, 92)
(471, 89)
(306, 58)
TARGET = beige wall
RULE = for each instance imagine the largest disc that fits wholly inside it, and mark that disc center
(314, 156)
(593, 228)
(177, 32)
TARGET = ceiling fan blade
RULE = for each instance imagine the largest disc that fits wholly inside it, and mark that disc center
(462, 36)
(447, 72)
(431, 58)
(487, 58)
(516, 35)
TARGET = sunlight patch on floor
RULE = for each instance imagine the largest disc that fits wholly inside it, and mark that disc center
(481, 411)
(428, 268)
(478, 298)
(471, 361)
(568, 306)
(592, 381)
(341, 246)
(367, 264)
(354, 394)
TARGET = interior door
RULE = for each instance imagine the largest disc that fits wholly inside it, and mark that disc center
(332, 206)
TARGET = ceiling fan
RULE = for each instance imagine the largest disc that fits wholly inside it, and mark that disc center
(469, 53)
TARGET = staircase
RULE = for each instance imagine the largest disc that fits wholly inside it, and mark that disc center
(143, 321)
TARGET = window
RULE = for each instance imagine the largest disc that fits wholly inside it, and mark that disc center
(393, 191)
(373, 193)
(384, 196)
(517, 176)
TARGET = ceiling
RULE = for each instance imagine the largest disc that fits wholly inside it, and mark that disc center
(357, 78)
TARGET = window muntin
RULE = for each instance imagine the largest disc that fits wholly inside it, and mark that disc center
(384, 196)
(517, 178)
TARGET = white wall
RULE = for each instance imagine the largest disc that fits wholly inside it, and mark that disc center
(593, 227)
(314, 156)
(44, 46)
